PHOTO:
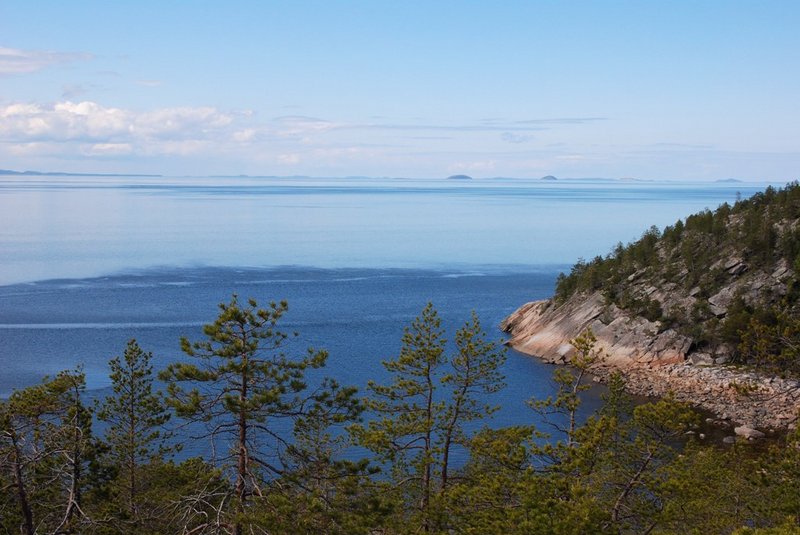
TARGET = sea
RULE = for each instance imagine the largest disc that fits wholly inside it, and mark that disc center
(89, 262)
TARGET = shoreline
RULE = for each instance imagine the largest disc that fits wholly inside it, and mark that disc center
(655, 364)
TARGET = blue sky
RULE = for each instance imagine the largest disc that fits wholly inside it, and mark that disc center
(693, 90)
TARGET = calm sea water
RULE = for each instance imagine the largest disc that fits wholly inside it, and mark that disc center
(89, 262)
(357, 315)
(89, 226)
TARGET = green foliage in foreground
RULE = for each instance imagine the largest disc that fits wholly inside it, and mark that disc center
(625, 469)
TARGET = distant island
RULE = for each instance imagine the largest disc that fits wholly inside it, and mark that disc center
(549, 177)
(729, 180)
(459, 177)
(9, 172)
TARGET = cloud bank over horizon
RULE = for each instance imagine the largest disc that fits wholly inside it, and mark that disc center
(97, 132)
(86, 136)
(519, 89)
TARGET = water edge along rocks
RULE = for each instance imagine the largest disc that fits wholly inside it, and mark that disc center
(654, 362)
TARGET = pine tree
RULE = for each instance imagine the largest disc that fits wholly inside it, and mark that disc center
(637, 468)
(408, 410)
(324, 490)
(422, 412)
(475, 374)
(45, 446)
(569, 384)
(135, 437)
(240, 384)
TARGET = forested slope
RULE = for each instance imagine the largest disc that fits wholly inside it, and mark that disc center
(726, 279)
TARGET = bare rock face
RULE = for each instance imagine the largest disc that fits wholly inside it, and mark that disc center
(540, 328)
(655, 362)
(721, 300)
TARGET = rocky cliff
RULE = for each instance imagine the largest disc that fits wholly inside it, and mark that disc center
(708, 309)
(654, 363)
(544, 329)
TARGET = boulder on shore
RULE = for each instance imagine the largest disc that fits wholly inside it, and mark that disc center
(748, 432)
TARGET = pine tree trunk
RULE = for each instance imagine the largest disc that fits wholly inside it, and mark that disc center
(132, 463)
(22, 495)
(241, 474)
(426, 477)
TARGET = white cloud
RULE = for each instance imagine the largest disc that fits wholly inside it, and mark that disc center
(91, 130)
(198, 138)
(245, 135)
(108, 149)
(35, 148)
(510, 131)
(16, 61)
(183, 123)
(300, 125)
(89, 121)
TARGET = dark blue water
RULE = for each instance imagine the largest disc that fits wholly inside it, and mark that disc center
(87, 263)
(357, 315)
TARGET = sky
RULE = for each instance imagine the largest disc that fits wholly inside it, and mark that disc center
(686, 90)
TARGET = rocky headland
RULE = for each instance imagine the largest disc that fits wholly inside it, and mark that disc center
(655, 363)
(707, 311)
